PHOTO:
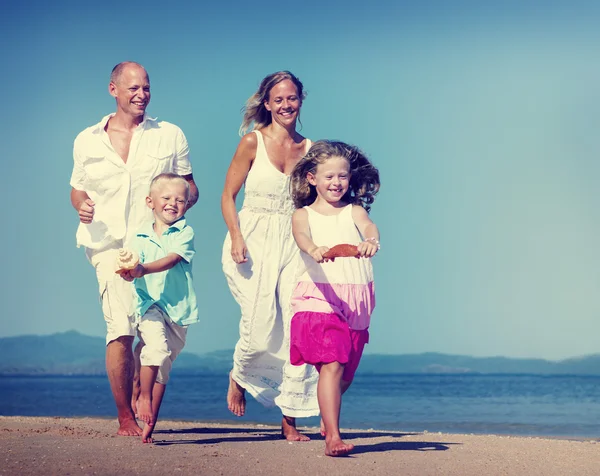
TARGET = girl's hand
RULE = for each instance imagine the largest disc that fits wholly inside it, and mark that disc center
(317, 253)
(239, 250)
(368, 248)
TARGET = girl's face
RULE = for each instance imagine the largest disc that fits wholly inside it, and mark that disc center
(284, 103)
(331, 179)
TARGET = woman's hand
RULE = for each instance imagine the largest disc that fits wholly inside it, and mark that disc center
(239, 250)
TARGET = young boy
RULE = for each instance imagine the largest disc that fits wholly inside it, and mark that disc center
(166, 300)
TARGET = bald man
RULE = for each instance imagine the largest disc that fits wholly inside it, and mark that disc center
(114, 163)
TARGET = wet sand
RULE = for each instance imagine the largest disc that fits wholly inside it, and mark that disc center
(32, 445)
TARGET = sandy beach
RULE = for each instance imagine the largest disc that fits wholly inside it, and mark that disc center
(74, 446)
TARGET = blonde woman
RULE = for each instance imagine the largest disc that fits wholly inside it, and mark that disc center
(260, 255)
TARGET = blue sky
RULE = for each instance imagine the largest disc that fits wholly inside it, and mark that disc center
(482, 120)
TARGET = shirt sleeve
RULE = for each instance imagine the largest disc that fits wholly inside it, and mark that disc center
(183, 244)
(181, 163)
(78, 177)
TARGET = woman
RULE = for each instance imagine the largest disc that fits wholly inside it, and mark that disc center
(259, 254)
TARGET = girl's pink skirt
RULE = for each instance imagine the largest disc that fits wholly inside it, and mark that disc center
(319, 338)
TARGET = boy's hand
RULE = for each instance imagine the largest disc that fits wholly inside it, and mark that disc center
(126, 275)
(317, 253)
(137, 272)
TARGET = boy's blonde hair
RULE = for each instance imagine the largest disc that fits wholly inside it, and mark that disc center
(169, 177)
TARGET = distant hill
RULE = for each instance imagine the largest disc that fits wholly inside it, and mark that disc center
(71, 353)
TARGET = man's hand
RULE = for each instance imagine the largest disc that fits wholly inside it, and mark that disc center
(86, 211)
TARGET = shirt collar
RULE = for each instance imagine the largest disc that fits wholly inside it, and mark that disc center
(148, 227)
(102, 124)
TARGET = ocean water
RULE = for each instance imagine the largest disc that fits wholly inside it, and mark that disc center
(564, 406)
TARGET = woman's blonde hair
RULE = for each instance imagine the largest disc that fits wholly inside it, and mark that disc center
(364, 177)
(256, 115)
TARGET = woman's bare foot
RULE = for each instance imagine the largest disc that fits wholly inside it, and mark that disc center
(289, 431)
(323, 430)
(236, 398)
(147, 434)
(336, 447)
(129, 427)
(144, 408)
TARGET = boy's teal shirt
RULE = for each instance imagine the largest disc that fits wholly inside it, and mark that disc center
(171, 290)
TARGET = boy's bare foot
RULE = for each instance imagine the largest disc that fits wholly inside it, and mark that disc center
(147, 434)
(336, 447)
(236, 397)
(289, 431)
(129, 427)
(144, 408)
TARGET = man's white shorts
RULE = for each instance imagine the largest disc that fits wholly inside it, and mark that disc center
(116, 295)
(163, 340)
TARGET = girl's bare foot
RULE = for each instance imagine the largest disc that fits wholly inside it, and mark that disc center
(323, 430)
(147, 433)
(144, 409)
(236, 398)
(289, 431)
(336, 447)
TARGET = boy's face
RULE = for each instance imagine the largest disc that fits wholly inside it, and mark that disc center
(168, 201)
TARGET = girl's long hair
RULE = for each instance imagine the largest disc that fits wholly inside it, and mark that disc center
(364, 178)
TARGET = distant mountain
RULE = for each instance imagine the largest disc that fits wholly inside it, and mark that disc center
(71, 353)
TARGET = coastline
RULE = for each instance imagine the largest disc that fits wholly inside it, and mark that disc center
(56, 445)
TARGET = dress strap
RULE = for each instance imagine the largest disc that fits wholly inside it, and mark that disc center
(261, 150)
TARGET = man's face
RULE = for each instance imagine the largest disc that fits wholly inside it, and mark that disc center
(131, 90)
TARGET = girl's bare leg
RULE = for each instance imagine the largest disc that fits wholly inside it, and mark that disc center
(329, 394)
(345, 386)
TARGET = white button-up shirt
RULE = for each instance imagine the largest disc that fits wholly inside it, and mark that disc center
(119, 189)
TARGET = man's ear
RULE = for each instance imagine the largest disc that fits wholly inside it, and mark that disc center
(149, 203)
(112, 89)
(311, 179)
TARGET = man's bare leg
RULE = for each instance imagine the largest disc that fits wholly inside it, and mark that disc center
(158, 392)
(345, 386)
(236, 397)
(289, 430)
(119, 368)
(136, 376)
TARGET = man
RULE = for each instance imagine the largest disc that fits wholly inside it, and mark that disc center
(114, 162)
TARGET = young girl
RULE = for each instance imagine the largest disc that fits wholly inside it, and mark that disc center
(332, 188)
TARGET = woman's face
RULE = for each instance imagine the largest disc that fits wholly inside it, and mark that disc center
(284, 103)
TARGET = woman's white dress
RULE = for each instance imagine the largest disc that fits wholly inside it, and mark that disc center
(263, 287)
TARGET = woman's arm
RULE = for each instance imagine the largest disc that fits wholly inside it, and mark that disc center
(235, 178)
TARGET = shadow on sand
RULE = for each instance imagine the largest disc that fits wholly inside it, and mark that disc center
(235, 434)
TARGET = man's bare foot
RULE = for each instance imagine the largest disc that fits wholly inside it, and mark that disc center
(147, 434)
(236, 398)
(323, 430)
(129, 427)
(289, 431)
(144, 407)
(336, 447)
